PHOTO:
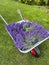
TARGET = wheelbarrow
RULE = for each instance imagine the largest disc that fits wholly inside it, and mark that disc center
(26, 35)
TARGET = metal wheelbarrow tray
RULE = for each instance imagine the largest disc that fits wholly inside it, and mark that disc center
(27, 35)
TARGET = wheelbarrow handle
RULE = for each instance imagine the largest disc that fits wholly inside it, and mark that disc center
(19, 12)
(3, 19)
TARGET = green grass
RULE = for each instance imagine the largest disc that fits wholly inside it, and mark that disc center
(9, 54)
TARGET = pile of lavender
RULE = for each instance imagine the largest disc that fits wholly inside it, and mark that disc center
(26, 34)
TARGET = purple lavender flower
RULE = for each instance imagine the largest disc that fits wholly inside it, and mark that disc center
(26, 34)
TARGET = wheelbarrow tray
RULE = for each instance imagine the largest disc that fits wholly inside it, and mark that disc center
(37, 35)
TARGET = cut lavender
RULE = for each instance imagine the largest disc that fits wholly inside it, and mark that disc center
(26, 34)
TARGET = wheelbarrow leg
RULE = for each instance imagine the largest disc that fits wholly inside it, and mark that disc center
(35, 52)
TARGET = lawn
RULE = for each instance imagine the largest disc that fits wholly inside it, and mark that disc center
(9, 54)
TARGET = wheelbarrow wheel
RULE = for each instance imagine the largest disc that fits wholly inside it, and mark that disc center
(35, 52)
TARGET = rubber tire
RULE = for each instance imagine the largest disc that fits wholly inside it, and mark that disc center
(35, 52)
